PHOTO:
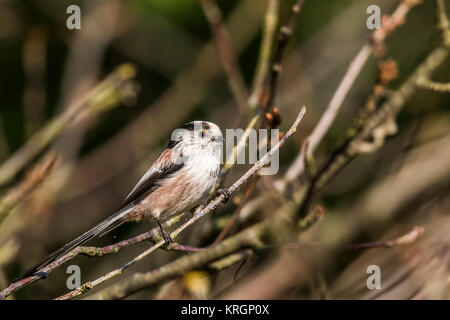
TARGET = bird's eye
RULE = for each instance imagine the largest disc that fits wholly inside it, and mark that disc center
(203, 132)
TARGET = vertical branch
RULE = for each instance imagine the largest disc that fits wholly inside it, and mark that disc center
(286, 32)
(265, 51)
(441, 14)
(262, 94)
(226, 52)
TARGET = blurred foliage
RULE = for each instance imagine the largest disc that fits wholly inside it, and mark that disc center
(164, 39)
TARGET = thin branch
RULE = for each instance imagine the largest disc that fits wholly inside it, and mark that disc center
(247, 238)
(380, 124)
(338, 98)
(226, 52)
(313, 217)
(212, 205)
(263, 95)
(443, 23)
(105, 95)
(230, 260)
(440, 87)
(265, 51)
(228, 251)
(286, 32)
(153, 235)
(356, 65)
(231, 160)
(20, 192)
(406, 239)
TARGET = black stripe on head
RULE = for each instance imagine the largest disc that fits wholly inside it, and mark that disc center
(189, 126)
(173, 143)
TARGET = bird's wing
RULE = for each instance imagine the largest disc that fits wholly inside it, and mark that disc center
(163, 167)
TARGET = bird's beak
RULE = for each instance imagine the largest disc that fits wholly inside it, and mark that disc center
(219, 139)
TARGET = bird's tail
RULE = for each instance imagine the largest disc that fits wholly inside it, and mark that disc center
(100, 229)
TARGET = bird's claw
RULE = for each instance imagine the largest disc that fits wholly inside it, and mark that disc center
(41, 274)
(167, 238)
(225, 193)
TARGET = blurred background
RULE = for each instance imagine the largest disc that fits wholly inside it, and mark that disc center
(47, 69)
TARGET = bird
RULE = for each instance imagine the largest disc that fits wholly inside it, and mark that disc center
(178, 180)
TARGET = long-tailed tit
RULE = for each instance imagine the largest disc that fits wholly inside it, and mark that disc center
(179, 179)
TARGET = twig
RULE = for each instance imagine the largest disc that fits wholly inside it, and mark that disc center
(26, 186)
(443, 23)
(229, 163)
(440, 87)
(232, 259)
(338, 98)
(247, 238)
(314, 216)
(212, 205)
(406, 239)
(105, 95)
(265, 51)
(380, 124)
(347, 82)
(227, 54)
(152, 234)
(264, 94)
(424, 82)
(286, 32)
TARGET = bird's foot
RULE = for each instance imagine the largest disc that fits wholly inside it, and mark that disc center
(225, 193)
(41, 274)
(165, 235)
(167, 238)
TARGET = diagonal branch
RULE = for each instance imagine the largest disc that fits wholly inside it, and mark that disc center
(212, 205)
(356, 65)
(245, 239)
(406, 239)
(105, 95)
(371, 135)
(17, 194)
(152, 235)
